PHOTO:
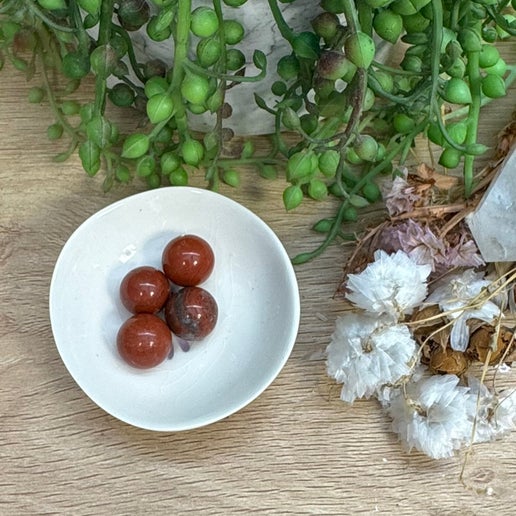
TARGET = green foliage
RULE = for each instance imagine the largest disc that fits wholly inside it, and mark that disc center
(352, 116)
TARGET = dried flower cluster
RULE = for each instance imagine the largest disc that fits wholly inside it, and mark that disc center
(427, 308)
(374, 351)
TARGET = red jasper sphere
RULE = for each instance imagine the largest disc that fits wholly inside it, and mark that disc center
(144, 290)
(191, 313)
(188, 260)
(144, 341)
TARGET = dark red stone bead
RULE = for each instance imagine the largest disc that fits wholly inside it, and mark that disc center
(191, 313)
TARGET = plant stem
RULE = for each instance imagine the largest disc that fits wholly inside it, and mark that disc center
(82, 35)
(7, 5)
(437, 36)
(106, 13)
(211, 172)
(377, 88)
(351, 14)
(41, 48)
(180, 58)
(227, 77)
(31, 5)
(402, 148)
(365, 17)
(130, 51)
(396, 71)
(250, 161)
(475, 87)
(283, 27)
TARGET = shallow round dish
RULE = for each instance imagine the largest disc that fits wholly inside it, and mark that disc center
(253, 282)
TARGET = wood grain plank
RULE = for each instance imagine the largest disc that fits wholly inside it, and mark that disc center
(295, 450)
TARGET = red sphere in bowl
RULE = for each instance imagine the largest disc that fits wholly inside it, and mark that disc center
(188, 260)
(144, 341)
(191, 313)
(144, 290)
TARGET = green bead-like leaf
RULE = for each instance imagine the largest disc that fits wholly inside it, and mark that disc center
(247, 150)
(122, 174)
(469, 40)
(371, 192)
(231, 177)
(89, 153)
(493, 86)
(169, 162)
(323, 225)
(160, 107)
(290, 119)
(260, 102)
(99, 131)
(288, 67)
(52, 5)
(450, 158)
(317, 189)
(192, 151)
(306, 45)
(155, 85)
(54, 131)
(135, 146)
(146, 166)
(360, 49)
(388, 25)
(476, 149)
(292, 197)
(268, 172)
(329, 162)
(259, 60)
(358, 201)
(178, 177)
(103, 60)
(90, 6)
(165, 18)
(300, 166)
(457, 91)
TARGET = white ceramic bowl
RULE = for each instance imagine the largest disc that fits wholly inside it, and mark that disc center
(253, 282)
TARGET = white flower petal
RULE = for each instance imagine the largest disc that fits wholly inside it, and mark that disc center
(392, 285)
(454, 294)
(459, 335)
(494, 414)
(366, 353)
(432, 415)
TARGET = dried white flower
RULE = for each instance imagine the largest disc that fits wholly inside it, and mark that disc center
(388, 392)
(453, 294)
(432, 415)
(365, 353)
(393, 285)
(494, 413)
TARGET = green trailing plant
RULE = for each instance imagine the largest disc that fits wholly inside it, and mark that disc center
(354, 116)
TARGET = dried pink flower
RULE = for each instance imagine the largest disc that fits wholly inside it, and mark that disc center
(426, 248)
(418, 241)
(463, 254)
(399, 196)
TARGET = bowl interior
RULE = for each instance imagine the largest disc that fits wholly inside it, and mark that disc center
(253, 283)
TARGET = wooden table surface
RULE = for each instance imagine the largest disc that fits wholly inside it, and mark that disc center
(297, 449)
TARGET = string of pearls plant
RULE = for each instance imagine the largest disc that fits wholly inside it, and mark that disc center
(354, 115)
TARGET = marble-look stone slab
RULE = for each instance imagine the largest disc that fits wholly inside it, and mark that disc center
(493, 223)
(262, 34)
